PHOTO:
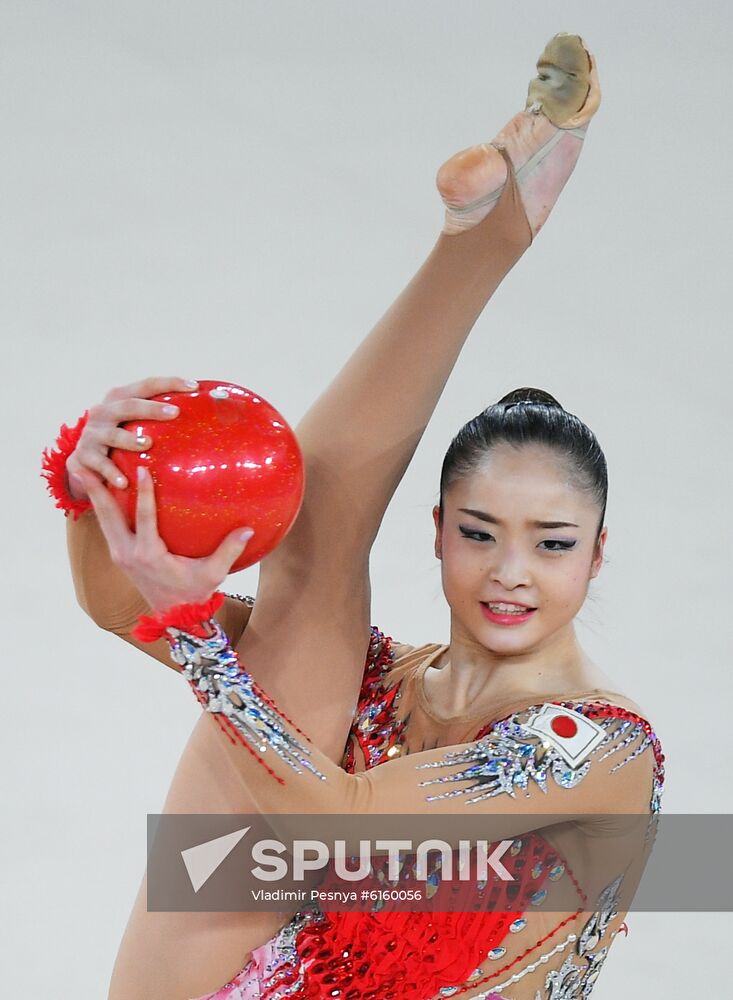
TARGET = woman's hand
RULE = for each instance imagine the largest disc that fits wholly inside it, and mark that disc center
(162, 578)
(102, 430)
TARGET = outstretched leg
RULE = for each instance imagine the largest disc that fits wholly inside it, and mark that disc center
(312, 613)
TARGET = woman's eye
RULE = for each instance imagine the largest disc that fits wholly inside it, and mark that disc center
(550, 544)
(479, 536)
(557, 545)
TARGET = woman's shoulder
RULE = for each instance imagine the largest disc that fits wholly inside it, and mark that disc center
(394, 659)
(605, 704)
(403, 649)
(390, 666)
(603, 707)
(580, 729)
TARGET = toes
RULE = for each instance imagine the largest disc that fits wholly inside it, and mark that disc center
(566, 86)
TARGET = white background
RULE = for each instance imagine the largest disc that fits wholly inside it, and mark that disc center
(238, 191)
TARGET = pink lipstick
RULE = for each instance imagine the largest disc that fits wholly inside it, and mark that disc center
(506, 618)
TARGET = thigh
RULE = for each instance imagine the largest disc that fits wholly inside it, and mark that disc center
(306, 642)
(182, 955)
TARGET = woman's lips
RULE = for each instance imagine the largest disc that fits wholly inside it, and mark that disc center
(506, 618)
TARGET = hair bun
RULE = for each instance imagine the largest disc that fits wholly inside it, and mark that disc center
(518, 397)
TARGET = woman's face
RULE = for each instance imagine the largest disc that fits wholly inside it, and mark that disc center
(516, 532)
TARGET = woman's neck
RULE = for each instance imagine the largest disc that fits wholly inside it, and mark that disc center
(469, 676)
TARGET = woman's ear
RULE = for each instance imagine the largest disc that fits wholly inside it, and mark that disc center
(595, 566)
(438, 532)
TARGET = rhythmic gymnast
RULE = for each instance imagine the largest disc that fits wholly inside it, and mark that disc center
(478, 726)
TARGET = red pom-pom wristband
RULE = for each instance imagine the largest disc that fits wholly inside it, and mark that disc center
(54, 468)
(190, 618)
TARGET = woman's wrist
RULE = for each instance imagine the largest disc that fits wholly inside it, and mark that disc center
(54, 471)
(193, 617)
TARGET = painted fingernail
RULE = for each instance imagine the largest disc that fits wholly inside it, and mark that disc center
(142, 440)
(141, 473)
(170, 410)
(244, 536)
(191, 383)
(120, 481)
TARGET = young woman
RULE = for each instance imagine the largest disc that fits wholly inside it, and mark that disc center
(511, 705)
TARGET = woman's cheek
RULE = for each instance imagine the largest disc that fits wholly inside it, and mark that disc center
(460, 579)
(572, 589)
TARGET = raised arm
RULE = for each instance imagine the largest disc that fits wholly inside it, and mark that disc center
(107, 594)
(103, 589)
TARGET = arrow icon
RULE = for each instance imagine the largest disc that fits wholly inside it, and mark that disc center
(202, 860)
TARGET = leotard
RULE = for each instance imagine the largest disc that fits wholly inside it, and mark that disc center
(529, 951)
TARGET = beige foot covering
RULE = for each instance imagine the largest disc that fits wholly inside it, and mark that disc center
(566, 88)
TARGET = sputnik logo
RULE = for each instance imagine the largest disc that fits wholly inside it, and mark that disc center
(202, 860)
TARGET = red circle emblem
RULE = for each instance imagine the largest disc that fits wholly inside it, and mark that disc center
(564, 726)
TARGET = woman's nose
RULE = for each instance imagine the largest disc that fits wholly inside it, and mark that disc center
(510, 570)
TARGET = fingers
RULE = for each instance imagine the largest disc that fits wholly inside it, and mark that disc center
(88, 456)
(110, 517)
(223, 558)
(153, 386)
(111, 412)
(146, 515)
(128, 440)
(102, 430)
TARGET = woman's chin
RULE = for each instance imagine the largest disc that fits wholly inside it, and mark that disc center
(508, 639)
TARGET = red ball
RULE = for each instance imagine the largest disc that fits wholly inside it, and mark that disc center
(228, 460)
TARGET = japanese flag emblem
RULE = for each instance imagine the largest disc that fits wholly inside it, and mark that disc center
(573, 735)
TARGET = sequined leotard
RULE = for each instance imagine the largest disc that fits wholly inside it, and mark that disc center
(531, 953)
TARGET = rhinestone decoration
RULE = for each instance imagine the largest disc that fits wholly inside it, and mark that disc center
(542, 960)
(573, 982)
(223, 687)
(593, 931)
(244, 598)
(513, 753)
(376, 728)
(283, 968)
(637, 725)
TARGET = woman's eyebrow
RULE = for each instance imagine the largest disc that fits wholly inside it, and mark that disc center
(483, 516)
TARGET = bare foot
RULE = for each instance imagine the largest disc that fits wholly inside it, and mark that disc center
(543, 142)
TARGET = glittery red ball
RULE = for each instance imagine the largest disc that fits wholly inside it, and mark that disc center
(227, 460)
(564, 726)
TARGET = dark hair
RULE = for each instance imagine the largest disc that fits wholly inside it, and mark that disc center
(529, 416)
